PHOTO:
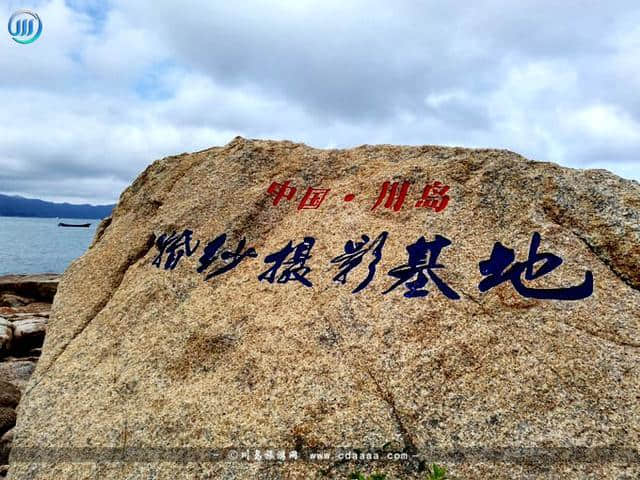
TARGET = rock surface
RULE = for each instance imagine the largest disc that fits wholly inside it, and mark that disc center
(9, 394)
(5, 446)
(28, 333)
(7, 419)
(22, 330)
(34, 287)
(11, 300)
(6, 335)
(17, 371)
(141, 356)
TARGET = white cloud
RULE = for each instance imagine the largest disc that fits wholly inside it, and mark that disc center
(108, 89)
(606, 122)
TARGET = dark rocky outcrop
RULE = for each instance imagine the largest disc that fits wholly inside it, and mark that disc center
(36, 288)
(25, 303)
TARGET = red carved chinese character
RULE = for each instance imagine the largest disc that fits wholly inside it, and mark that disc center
(393, 194)
(280, 191)
(313, 198)
(434, 196)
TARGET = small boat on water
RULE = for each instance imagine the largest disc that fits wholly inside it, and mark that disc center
(81, 225)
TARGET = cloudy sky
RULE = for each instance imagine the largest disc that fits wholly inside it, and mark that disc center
(112, 85)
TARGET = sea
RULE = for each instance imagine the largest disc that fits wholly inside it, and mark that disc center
(39, 245)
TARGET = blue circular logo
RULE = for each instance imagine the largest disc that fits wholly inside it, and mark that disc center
(25, 26)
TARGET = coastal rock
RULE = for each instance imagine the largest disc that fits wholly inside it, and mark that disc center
(40, 316)
(11, 300)
(9, 395)
(31, 308)
(17, 372)
(493, 383)
(29, 333)
(7, 419)
(5, 446)
(40, 288)
(6, 336)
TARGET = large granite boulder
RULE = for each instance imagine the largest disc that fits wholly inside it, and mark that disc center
(484, 355)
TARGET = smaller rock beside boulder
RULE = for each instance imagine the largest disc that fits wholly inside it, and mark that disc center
(6, 336)
(25, 304)
(5, 446)
(7, 419)
(17, 371)
(9, 395)
(12, 300)
(9, 399)
(28, 333)
(35, 288)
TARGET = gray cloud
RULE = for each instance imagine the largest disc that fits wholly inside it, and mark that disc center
(106, 90)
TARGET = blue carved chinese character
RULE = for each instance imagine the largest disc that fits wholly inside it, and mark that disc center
(212, 249)
(422, 269)
(176, 246)
(496, 271)
(295, 268)
(354, 252)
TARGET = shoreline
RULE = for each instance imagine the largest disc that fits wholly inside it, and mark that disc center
(25, 306)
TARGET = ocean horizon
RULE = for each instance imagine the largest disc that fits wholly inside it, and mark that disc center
(31, 245)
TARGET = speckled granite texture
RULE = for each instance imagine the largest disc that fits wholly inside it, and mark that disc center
(140, 356)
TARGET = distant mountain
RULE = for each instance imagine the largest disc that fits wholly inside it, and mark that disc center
(15, 206)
